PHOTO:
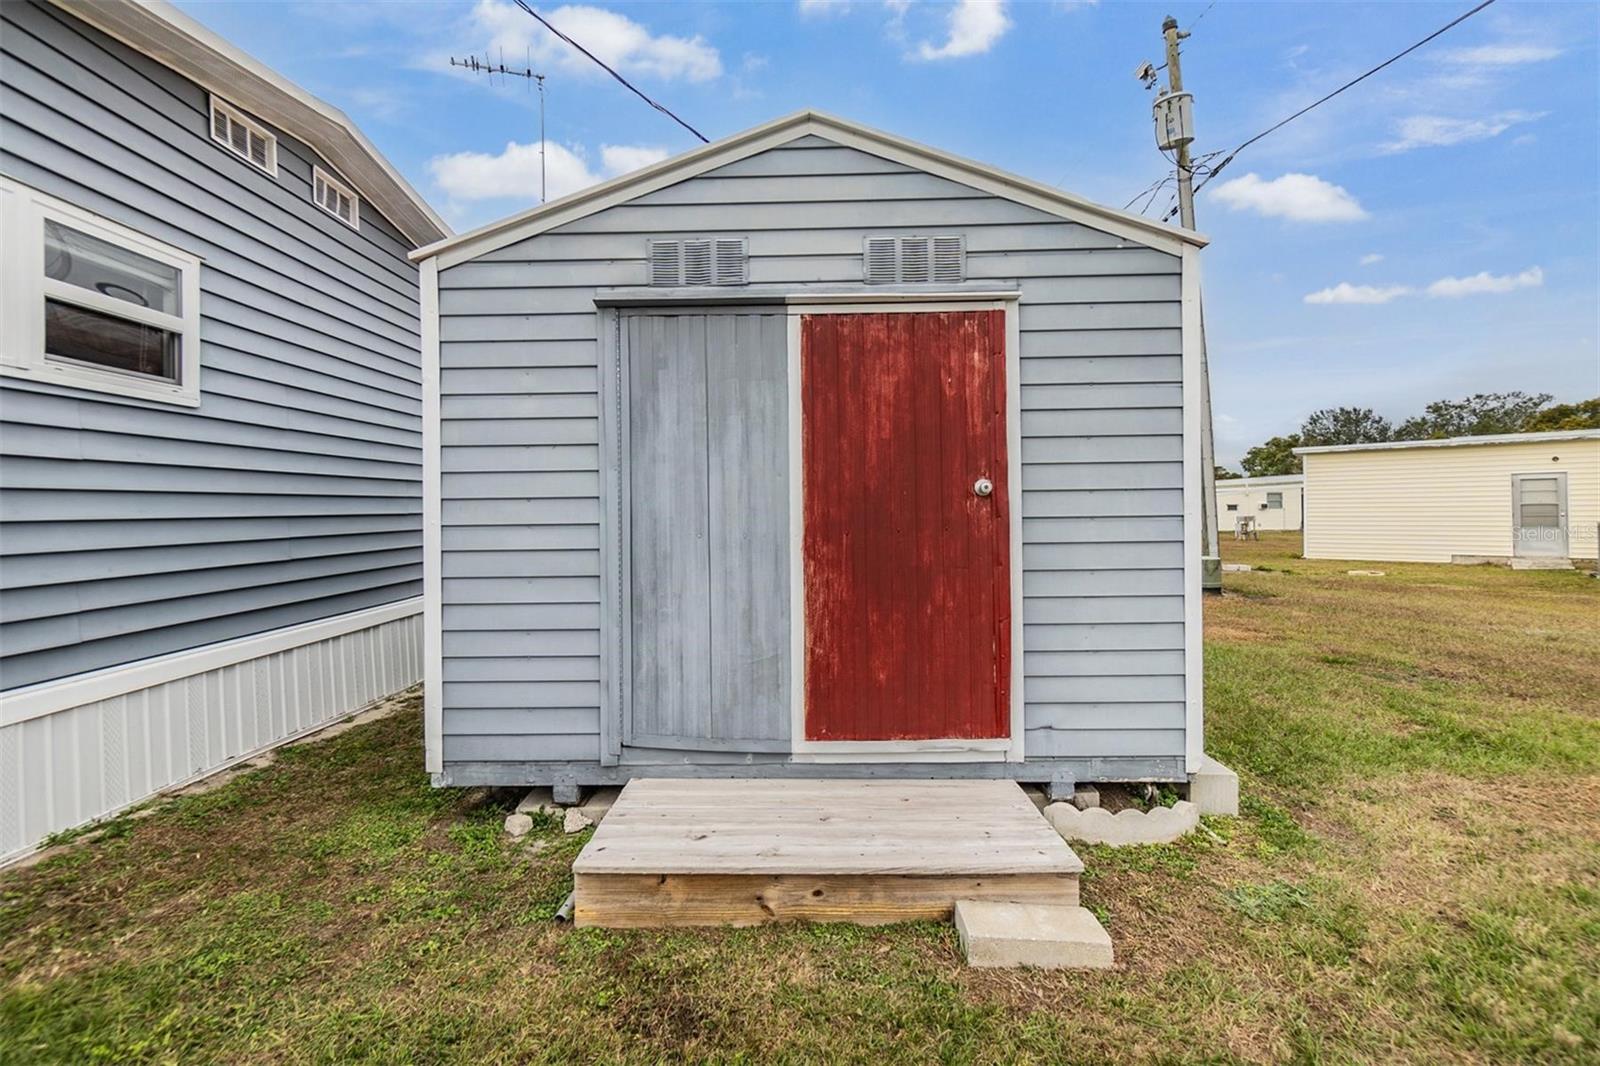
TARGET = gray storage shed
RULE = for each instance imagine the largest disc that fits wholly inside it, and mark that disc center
(210, 411)
(812, 452)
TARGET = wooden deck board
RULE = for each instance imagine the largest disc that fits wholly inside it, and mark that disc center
(740, 852)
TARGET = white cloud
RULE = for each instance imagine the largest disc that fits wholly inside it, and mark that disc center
(823, 8)
(513, 174)
(1299, 197)
(1437, 131)
(616, 39)
(1500, 55)
(1480, 284)
(1485, 283)
(1346, 293)
(974, 26)
(1370, 258)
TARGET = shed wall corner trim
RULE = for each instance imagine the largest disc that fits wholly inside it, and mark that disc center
(432, 543)
(1193, 606)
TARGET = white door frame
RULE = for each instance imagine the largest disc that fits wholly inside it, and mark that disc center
(953, 750)
(1517, 541)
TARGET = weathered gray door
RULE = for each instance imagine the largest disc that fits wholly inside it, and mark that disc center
(705, 569)
(1539, 515)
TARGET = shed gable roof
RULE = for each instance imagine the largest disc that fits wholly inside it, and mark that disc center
(783, 131)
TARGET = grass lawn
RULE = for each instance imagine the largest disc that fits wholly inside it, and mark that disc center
(1416, 876)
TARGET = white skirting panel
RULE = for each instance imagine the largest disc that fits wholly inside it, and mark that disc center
(80, 749)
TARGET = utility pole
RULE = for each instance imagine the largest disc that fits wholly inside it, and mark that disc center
(1174, 115)
(1169, 30)
(477, 66)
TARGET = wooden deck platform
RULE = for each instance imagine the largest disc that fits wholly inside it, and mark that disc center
(743, 852)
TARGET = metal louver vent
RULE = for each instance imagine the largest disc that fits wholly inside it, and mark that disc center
(886, 260)
(696, 261)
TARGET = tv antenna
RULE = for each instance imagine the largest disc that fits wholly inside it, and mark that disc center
(484, 66)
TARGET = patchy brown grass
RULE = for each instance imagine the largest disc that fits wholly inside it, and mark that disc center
(1415, 877)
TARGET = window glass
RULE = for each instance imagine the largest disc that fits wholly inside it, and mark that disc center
(1233, 507)
(1274, 501)
(1541, 502)
(84, 336)
(100, 266)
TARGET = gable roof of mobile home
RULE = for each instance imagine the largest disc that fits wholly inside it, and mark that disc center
(1457, 442)
(173, 39)
(780, 131)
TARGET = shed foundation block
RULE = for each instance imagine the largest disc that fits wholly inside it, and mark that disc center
(1214, 788)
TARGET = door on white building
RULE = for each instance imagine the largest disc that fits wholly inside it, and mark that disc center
(1539, 516)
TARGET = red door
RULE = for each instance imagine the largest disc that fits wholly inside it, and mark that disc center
(907, 557)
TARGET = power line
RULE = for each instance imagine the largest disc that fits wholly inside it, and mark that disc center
(607, 68)
(1452, 24)
(1147, 190)
(1157, 192)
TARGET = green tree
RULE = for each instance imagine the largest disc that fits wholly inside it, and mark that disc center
(1273, 458)
(1224, 474)
(1344, 425)
(1478, 415)
(1585, 414)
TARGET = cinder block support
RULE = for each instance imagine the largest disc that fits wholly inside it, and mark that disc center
(1214, 788)
(1044, 935)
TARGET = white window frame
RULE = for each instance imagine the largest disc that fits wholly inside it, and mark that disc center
(24, 288)
(235, 115)
(322, 176)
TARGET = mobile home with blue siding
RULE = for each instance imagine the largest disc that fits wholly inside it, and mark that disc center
(210, 412)
(812, 452)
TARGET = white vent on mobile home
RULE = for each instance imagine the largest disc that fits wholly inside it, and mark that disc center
(243, 137)
(699, 261)
(336, 198)
(886, 260)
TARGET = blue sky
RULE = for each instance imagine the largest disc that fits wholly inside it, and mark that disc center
(1432, 233)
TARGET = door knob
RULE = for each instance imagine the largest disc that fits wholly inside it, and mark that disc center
(982, 487)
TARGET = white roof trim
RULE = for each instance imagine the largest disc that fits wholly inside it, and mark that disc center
(1266, 479)
(175, 40)
(570, 208)
(1458, 442)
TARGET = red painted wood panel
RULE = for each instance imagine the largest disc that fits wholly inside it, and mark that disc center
(907, 570)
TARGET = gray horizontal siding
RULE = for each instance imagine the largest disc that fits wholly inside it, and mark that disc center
(1102, 449)
(131, 529)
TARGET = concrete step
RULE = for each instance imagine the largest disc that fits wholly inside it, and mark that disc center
(1541, 564)
(1042, 935)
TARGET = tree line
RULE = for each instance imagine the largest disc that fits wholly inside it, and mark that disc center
(1483, 414)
